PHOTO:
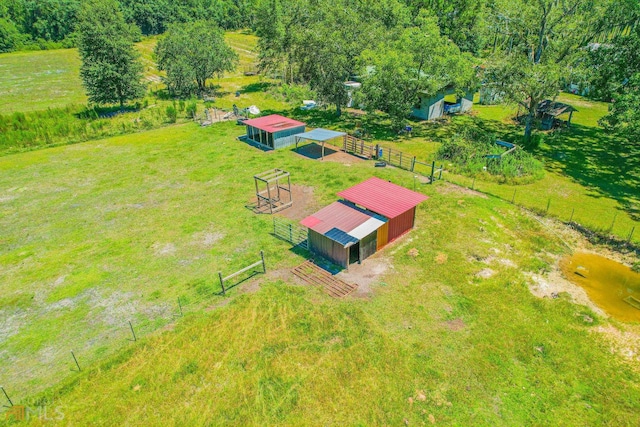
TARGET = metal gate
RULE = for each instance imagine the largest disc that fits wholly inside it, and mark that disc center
(351, 144)
(290, 232)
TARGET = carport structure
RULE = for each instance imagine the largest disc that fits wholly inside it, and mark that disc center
(319, 135)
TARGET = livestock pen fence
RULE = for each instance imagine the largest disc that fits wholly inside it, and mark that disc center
(290, 232)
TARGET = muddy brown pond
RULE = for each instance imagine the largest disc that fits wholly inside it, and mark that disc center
(612, 286)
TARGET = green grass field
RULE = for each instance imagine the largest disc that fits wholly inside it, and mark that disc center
(31, 81)
(104, 232)
(111, 231)
(39, 80)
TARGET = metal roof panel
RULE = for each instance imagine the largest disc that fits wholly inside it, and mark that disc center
(383, 197)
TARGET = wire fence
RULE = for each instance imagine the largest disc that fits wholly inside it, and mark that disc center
(105, 330)
(612, 227)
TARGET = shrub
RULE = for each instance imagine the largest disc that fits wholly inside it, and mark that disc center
(191, 109)
(172, 114)
(467, 150)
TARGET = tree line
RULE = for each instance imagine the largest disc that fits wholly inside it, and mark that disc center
(525, 51)
(45, 24)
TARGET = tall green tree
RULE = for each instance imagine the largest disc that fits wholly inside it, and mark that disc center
(111, 70)
(329, 45)
(538, 41)
(192, 53)
(419, 61)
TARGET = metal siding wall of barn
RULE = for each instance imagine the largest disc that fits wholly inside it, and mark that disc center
(401, 224)
(368, 245)
(286, 137)
(327, 248)
(383, 236)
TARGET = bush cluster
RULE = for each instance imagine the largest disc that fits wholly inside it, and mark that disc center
(467, 151)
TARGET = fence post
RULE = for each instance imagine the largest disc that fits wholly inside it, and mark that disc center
(433, 169)
(514, 197)
(180, 307)
(440, 174)
(221, 283)
(613, 222)
(473, 183)
(413, 163)
(401, 159)
(6, 395)
(75, 360)
(548, 204)
(264, 266)
(290, 233)
(377, 151)
(631, 234)
(572, 212)
(133, 332)
(274, 227)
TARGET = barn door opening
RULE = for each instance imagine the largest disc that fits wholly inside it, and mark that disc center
(354, 253)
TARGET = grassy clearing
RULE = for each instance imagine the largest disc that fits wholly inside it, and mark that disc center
(39, 80)
(75, 123)
(134, 222)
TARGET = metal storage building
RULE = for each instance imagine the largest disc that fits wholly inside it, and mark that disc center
(374, 213)
(274, 131)
(430, 106)
(343, 233)
(393, 202)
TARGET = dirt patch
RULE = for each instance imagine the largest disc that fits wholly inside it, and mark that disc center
(441, 258)
(304, 203)
(164, 249)
(623, 343)
(366, 274)
(448, 188)
(485, 273)
(331, 154)
(456, 324)
(206, 239)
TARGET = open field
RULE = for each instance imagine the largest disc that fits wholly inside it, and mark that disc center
(39, 80)
(74, 123)
(117, 229)
(31, 81)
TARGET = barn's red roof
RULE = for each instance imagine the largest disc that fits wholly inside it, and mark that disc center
(382, 197)
(337, 215)
(273, 123)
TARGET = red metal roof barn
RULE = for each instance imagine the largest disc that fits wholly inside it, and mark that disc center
(396, 203)
(374, 213)
(343, 233)
(274, 131)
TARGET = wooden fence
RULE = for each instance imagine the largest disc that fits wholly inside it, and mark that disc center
(244, 270)
(359, 147)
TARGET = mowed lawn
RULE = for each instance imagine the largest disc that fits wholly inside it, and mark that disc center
(39, 80)
(101, 233)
